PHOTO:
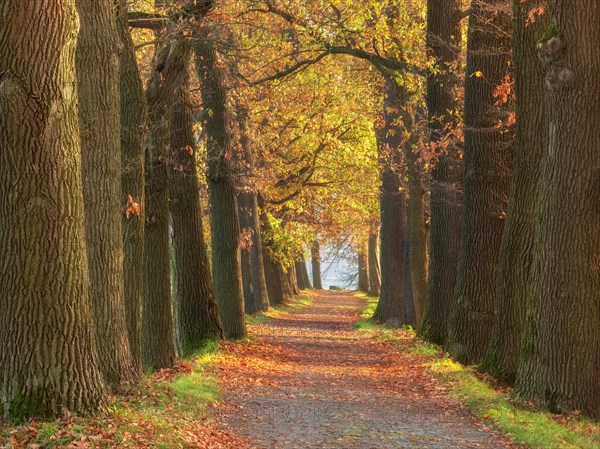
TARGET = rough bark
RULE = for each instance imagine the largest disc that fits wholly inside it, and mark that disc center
(244, 211)
(261, 296)
(517, 243)
(133, 142)
(288, 288)
(158, 346)
(195, 306)
(48, 362)
(363, 272)
(561, 349)
(293, 280)
(248, 211)
(409, 300)
(273, 278)
(373, 263)
(391, 308)
(299, 275)
(416, 231)
(487, 161)
(99, 129)
(443, 40)
(315, 258)
(417, 250)
(304, 273)
(225, 227)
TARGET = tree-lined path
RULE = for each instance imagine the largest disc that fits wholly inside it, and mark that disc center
(310, 380)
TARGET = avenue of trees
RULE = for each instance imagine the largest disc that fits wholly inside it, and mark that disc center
(168, 166)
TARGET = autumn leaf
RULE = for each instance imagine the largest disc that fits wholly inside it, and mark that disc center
(133, 208)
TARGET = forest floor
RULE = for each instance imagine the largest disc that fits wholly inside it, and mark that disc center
(309, 378)
(316, 373)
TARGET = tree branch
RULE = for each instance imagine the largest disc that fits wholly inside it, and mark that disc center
(193, 9)
(148, 21)
(462, 15)
(377, 60)
(290, 70)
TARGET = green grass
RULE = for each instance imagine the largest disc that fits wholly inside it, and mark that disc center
(522, 423)
(366, 323)
(158, 412)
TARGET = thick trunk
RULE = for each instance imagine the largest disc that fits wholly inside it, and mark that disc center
(363, 273)
(304, 273)
(315, 253)
(373, 263)
(275, 284)
(416, 230)
(487, 159)
(133, 141)
(254, 274)
(293, 280)
(288, 289)
(561, 348)
(48, 362)
(275, 288)
(158, 346)
(443, 38)
(299, 275)
(225, 227)
(391, 308)
(409, 301)
(195, 305)
(246, 273)
(259, 283)
(517, 243)
(256, 297)
(243, 202)
(99, 129)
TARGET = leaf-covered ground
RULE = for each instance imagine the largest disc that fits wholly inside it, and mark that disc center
(309, 379)
(313, 375)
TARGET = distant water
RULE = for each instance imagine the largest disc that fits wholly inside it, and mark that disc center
(337, 272)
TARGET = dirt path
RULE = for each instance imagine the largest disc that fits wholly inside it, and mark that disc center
(312, 381)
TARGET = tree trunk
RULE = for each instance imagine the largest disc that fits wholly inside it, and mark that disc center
(256, 295)
(487, 158)
(443, 38)
(299, 276)
(416, 230)
(373, 263)
(133, 142)
(517, 243)
(158, 346)
(275, 286)
(257, 265)
(249, 215)
(225, 227)
(48, 362)
(244, 212)
(304, 273)
(315, 252)
(273, 278)
(561, 349)
(195, 305)
(99, 129)
(391, 308)
(288, 289)
(293, 280)
(409, 300)
(363, 273)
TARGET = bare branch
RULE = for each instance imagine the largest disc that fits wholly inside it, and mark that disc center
(290, 70)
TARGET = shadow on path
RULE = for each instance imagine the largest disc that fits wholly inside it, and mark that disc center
(310, 380)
